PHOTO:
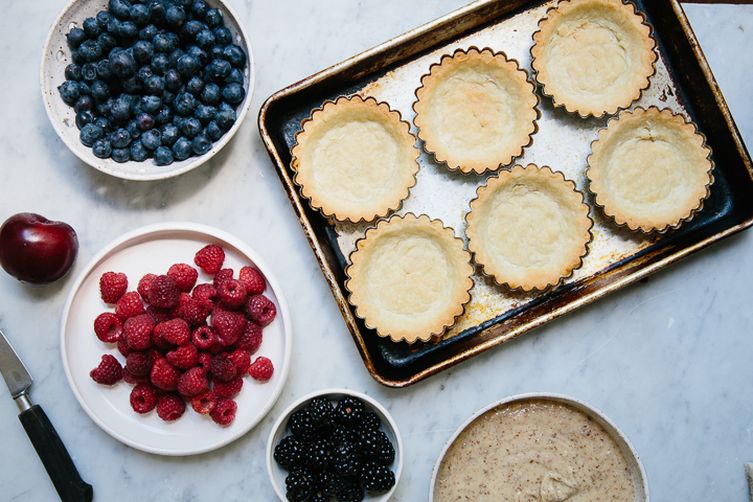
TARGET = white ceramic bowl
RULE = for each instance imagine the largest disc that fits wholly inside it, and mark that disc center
(634, 463)
(279, 430)
(56, 56)
(153, 249)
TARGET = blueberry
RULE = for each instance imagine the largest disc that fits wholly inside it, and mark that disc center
(121, 154)
(133, 129)
(138, 152)
(122, 64)
(73, 72)
(213, 131)
(184, 103)
(162, 43)
(213, 18)
(106, 42)
(84, 104)
(151, 139)
(175, 16)
(120, 138)
(198, 53)
(148, 32)
(170, 133)
(90, 50)
(225, 117)
(211, 94)
(127, 30)
(218, 69)
(191, 127)
(103, 123)
(215, 52)
(139, 14)
(154, 85)
(70, 92)
(104, 107)
(83, 118)
(223, 36)
(168, 97)
(103, 17)
(199, 8)
(191, 29)
(84, 89)
(144, 73)
(89, 71)
(76, 57)
(233, 93)
(99, 90)
(182, 148)
(113, 26)
(91, 27)
(205, 113)
(195, 85)
(234, 55)
(143, 51)
(178, 121)
(160, 63)
(150, 104)
(132, 85)
(101, 148)
(201, 144)
(163, 115)
(187, 65)
(121, 109)
(104, 72)
(119, 8)
(163, 156)
(145, 121)
(174, 56)
(205, 39)
(172, 80)
(75, 37)
(90, 133)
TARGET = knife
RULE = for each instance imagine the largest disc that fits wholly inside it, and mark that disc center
(46, 441)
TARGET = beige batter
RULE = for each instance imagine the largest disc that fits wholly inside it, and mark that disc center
(534, 450)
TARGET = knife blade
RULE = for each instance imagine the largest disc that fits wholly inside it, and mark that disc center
(47, 443)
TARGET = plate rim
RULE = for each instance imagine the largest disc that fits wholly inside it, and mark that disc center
(222, 235)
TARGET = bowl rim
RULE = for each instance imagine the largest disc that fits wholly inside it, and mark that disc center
(241, 111)
(282, 418)
(642, 491)
(282, 369)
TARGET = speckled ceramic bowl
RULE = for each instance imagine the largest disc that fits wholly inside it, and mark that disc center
(56, 56)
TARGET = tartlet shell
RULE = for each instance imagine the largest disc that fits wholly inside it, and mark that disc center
(537, 47)
(422, 133)
(540, 285)
(601, 200)
(462, 298)
(314, 201)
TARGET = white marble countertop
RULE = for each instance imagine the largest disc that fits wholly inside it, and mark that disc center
(669, 360)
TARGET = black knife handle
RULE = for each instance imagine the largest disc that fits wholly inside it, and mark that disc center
(54, 456)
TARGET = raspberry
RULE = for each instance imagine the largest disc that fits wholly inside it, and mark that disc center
(143, 398)
(184, 276)
(204, 293)
(138, 332)
(228, 325)
(193, 382)
(261, 310)
(224, 411)
(163, 292)
(108, 327)
(123, 346)
(253, 280)
(170, 407)
(138, 363)
(228, 389)
(223, 369)
(204, 403)
(223, 275)
(163, 375)
(145, 283)
(159, 315)
(251, 338)
(129, 305)
(184, 357)
(174, 331)
(241, 359)
(112, 286)
(205, 362)
(108, 372)
(128, 377)
(210, 258)
(232, 293)
(261, 369)
(191, 310)
(203, 337)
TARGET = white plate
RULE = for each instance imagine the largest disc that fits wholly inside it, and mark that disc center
(153, 249)
(56, 56)
(634, 462)
(279, 430)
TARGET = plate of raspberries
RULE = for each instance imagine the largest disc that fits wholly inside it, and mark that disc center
(176, 339)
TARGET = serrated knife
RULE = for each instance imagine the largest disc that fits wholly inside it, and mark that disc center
(46, 441)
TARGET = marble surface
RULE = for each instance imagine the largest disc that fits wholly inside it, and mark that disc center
(669, 359)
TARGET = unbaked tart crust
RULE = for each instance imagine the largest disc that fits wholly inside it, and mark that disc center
(650, 169)
(593, 56)
(528, 228)
(409, 278)
(355, 159)
(476, 110)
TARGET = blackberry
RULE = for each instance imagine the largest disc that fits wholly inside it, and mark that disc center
(290, 452)
(371, 442)
(299, 485)
(343, 435)
(350, 490)
(370, 421)
(320, 497)
(321, 410)
(326, 484)
(346, 460)
(385, 453)
(350, 411)
(301, 424)
(319, 456)
(377, 478)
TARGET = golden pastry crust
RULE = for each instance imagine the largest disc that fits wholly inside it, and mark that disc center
(476, 110)
(529, 228)
(593, 57)
(355, 159)
(409, 278)
(650, 169)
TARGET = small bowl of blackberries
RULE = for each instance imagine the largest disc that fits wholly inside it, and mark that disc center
(146, 89)
(334, 445)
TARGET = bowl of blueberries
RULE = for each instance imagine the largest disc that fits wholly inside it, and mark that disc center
(146, 89)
